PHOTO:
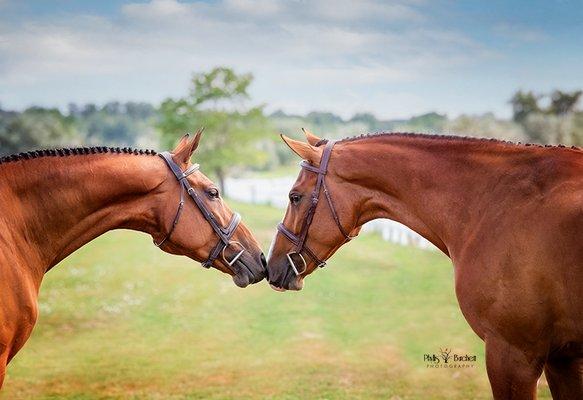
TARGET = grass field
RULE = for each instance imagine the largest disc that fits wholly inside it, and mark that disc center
(121, 319)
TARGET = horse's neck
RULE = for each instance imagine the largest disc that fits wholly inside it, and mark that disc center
(429, 184)
(57, 204)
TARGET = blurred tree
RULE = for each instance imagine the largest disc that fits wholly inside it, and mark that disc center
(430, 122)
(524, 104)
(74, 110)
(137, 111)
(35, 128)
(563, 103)
(116, 124)
(577, 132)
(233, 132)
(219, 84)
(112, 108)
(556, 123)
(485, 125)
(369, 120)
(323, 118)
(543, 128)
(88, 109)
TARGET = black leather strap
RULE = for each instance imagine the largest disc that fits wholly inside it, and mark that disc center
(176, 218)
(225, 234)
(300, 239)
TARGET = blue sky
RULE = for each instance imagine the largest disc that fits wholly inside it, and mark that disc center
(395, 59)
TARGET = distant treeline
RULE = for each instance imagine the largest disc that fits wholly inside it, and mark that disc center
(554, 118)
(560, 121)
(113, 124)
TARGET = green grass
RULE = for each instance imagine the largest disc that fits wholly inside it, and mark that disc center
(122, 320)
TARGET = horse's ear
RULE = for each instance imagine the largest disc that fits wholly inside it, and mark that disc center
(310, 137)
(186, 148)
(304, 150)
(181, 144)
(196, 140)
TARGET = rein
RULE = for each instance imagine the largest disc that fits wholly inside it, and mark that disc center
(300, 240)
(225, 234)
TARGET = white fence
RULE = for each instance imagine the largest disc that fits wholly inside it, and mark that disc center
(274, 192)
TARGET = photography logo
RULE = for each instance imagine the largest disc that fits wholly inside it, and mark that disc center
(445, 359)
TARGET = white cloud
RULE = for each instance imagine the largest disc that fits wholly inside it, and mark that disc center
(319, 48)
(364, 10)
(258, 8)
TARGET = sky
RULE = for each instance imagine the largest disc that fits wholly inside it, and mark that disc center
(395, 59)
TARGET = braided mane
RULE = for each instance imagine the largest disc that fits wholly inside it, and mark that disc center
(74, 151)
(444, 137)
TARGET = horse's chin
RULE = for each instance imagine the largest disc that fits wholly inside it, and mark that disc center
(277, 289)
(241, 280)
(245, 275)
(296, 284)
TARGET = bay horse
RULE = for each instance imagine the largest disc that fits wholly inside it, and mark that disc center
(55, 201)
(509, 216)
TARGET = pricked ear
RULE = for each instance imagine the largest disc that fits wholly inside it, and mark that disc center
(196, 139)
(182, 143)
(304, 150)
(185, 148)
(310, 137)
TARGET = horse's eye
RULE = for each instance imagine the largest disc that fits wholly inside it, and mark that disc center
(294, 198)
(213, 193)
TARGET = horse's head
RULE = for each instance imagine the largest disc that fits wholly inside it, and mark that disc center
(319, 218)
(194, 220)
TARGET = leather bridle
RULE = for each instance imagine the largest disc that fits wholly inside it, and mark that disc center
(224, 234)
(300, 240)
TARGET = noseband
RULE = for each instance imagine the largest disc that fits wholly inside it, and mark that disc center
(300, 240)
(224, 234)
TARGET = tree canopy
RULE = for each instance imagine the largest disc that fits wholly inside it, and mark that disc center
(524, 104)
(559, 122)
(34, 128)
(563, 103)
(233, 131)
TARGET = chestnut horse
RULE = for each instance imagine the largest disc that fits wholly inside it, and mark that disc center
(55, 201)
(509, 216)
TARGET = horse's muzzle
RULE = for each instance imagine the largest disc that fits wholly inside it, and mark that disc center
(249, 270)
